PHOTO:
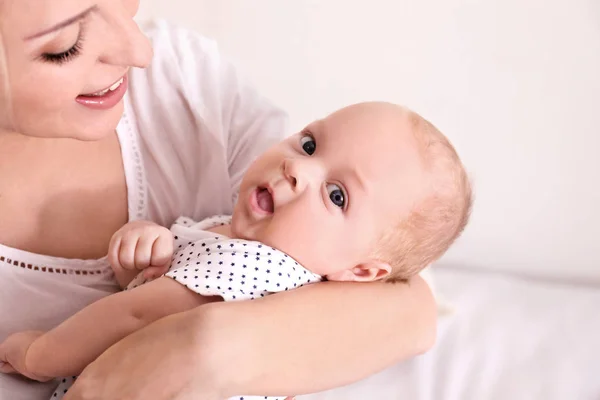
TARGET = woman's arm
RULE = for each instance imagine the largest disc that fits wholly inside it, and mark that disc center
(310, 339)
(318, 337)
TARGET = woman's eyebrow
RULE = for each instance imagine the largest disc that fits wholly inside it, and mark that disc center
(63, 24)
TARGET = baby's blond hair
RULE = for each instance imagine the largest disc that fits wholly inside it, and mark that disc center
(438, 220)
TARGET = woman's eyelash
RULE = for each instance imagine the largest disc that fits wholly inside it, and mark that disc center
(65, 56)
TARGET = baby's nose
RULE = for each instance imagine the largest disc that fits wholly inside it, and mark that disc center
(305, 172)
(298, 173)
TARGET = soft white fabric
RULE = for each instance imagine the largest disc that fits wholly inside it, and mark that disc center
(189, 131)
(509, 338)
(444, 307)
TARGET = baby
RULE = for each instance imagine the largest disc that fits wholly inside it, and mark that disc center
(372, 192)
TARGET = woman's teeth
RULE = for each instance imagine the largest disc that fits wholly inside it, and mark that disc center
(112, 88)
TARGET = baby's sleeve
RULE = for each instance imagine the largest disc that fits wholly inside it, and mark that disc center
(186, 231)
(237, 270)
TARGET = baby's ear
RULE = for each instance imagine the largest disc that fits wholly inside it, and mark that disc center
(364, 272)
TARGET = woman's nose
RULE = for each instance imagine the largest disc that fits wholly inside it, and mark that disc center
(126, 45)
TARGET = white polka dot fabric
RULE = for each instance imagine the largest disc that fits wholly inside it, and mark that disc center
(215, 265)
(62, 388)
(237, 269)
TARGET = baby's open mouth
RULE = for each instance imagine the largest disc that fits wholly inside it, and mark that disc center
(264, 200)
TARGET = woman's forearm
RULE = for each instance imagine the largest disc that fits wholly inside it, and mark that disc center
(314, 338)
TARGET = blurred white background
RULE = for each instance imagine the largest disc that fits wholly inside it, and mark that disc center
(515, 85)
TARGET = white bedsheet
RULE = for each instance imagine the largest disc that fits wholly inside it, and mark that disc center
(510, 338)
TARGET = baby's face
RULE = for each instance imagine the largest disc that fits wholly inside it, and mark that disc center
(325, 195)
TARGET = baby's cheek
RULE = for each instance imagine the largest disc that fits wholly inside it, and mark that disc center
(293, 243)
(321, 254)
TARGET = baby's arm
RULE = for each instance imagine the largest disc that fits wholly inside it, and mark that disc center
(69, 348)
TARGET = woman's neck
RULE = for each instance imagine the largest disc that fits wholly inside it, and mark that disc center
(11, 135)
(63, 186)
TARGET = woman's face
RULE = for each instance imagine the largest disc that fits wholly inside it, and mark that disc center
(60, 57)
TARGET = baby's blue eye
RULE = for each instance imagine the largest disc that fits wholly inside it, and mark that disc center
(308, 144)
(336, 194)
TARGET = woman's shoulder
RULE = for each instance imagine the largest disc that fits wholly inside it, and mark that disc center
(179, 48)
(172, 110)
(163, 32)
(185, 66)
(189, 83)
(198, 124)
(181, 95)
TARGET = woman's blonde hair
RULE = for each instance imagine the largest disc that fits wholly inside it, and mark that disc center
(5, 93)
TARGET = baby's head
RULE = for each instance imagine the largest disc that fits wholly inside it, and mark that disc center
(373, 191)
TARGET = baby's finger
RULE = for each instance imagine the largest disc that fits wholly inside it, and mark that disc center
(3, 353)
(6, 368)
(143, 251)
(113, 251)
(127, 251)
(162, 250)
(153, 272)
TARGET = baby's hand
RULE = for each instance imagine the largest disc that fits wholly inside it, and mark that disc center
(13, 355)
(141, 245)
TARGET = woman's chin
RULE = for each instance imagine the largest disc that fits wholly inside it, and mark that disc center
(86, 128)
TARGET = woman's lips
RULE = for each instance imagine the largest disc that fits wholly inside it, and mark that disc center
(106, 98)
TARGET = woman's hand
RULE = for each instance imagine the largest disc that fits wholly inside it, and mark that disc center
(158, 362)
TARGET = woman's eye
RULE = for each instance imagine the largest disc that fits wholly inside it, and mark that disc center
(65, 56)
(308, 144)
(336, 195)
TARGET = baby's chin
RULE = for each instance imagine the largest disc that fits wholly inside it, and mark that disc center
(241, 228)
(237, 230)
